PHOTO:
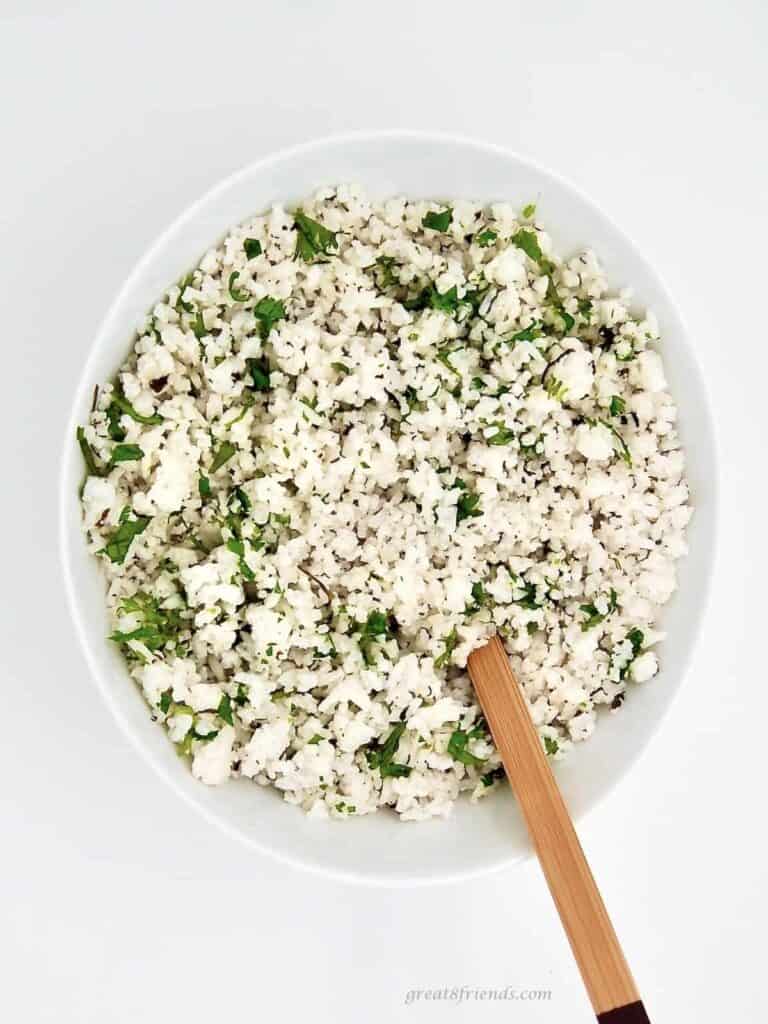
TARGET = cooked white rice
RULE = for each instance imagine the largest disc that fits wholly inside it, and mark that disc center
(359, 453)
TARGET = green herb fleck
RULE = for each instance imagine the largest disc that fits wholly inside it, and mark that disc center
(224, 709)
(122, 404)
(594, 617)
(438, 221)
(120, 541)
(529, 243)
(381, 756)
(457, 748)
(237, 547)
(341, 368)
(450, 643)
(551, 746)
(158, 626)
(125, 453)
(618, 406)
(312, 239)
(259, 371)
(503, 435)
(203, 487)
(268, 312)
(223, 454)
(529, 210)
(89, 456)
(252, 247)
(486, 238)
(238, 294)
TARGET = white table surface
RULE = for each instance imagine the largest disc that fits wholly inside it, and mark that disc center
(117, 903)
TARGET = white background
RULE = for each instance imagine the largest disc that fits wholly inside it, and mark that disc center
(117, 903)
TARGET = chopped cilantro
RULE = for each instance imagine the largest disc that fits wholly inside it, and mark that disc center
(485, 238)
(120, 541)
(224, 709)
(529, 210)
(490, 777)
(268, 311)
(585, 309)
(529, 243)
(551, 746)
(114, 428)
(238, 294)
(198, 325)
(467, 507)
(503, 435)
(125, 453)
(252, 247)
(259, 371)
(444, 354)
(375, 626)
(594, 617)
(446, 302)
(457, 748)
(203, 487)
(381, 755)
(438, 221)
(312, 239)
(122, 404)
(341, 368)
(223, 454)
(158, 627)
(89, 456)
(623, 448)
(529, 333)
(617, 406)
(237, 547)
(450, 643)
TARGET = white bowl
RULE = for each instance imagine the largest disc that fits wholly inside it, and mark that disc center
(378, 849)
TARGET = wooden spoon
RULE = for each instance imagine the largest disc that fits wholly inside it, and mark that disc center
(596, 949)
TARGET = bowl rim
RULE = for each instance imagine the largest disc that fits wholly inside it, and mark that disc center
(297, 151)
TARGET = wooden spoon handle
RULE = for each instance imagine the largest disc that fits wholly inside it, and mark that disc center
(595, 947)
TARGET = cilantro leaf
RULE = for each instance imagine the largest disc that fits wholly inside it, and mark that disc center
(268, 311)
(123, 405)
(486, 238)
(529, 210)
(120, 541)
(617, 406)
(203, 487)
(529, 243)
(252, 247)
(224, 709)
(447, 302)
(259, 371)
(381, 755)
(125, 453)
(223, 454)
(503, 435)
(312, 238)
(450, 643)
(551, 746)
(438, 221)
(158, 627)
(595, 617)
(89, 456)
(114, 428)
(341, 368)
(624, 451)
(237, 547)
(238, 294)
(467, 506)
(457, 745)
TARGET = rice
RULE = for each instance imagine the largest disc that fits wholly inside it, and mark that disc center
(357, 440)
